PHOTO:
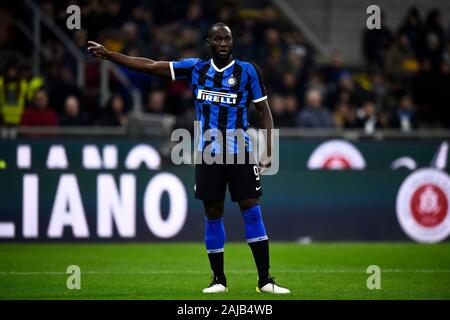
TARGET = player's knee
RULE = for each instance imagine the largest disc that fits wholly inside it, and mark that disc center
(246, 204)
(213, 215)
(254, 226)
(213, 210)
(214, 235)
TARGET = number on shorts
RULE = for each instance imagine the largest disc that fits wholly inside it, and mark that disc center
(256, 172)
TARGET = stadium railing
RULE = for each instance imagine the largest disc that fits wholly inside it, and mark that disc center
(142, 125)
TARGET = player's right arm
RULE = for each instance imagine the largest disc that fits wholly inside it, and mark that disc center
(160, 68)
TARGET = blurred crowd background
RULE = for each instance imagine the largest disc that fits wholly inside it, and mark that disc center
(403, 84)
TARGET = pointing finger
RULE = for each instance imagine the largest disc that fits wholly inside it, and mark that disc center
(95, 44)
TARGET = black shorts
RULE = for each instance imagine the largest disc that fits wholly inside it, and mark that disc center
(244, 181)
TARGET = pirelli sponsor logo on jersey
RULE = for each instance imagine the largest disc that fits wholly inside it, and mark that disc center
(213, 96)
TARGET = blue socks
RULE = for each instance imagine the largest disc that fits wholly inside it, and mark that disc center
(254, 226)
(214, 235)
(257, 239)
(254, 230)
(256, 236)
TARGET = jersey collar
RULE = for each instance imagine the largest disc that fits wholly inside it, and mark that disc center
(224, 68)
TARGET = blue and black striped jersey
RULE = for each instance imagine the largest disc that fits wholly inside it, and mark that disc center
(222, 96)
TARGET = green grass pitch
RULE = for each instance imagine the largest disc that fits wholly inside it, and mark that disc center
(181, 270)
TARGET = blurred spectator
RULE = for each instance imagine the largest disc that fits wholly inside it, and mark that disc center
(433, 55)
(332, 72)
(375, 44)
(345, 116)
(40, 114)
(114, 114)
(7, 31)
(246, 44)
(297, 59)
(130, 36)
(194, 20)
(379, 90)
(401, 60)
(413, 28)
(181, 104)
(113, 14)
(276, 102)
(271, 54)
(291, 106)
(227, 14)
(13, 95)
(404, 117)
(434, 24)
(142, 16)
(347, 91)
(298, 45)
(62, 87)
(369, 119)
(33, 82)
(316, 82)
(156, 103)
(444, 93)
(289, 83)
(270, 18)
(314, 115)
(81, 38)
(94, 18)
(72, 115)
(284, 110)
(432, 95)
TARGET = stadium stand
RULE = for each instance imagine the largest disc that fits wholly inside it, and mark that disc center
(401, 82)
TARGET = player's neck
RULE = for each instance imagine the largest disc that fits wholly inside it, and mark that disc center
(222, 62)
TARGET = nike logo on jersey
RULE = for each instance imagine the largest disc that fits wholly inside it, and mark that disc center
(257, 188)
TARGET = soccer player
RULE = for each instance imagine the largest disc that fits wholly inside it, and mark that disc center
(223, 86)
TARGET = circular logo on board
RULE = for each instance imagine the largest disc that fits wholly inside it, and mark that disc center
(336, 154)
(337, 162)
(231, 81)
(423, 206)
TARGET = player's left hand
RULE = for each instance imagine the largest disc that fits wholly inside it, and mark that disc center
(264, 164)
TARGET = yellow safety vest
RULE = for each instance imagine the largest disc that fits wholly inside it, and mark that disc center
(34, 85)
(12, 100)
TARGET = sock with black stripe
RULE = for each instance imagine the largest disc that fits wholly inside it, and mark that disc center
(215, 241)
(256, 236)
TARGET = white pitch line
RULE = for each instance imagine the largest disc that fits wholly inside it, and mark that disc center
(100, 272)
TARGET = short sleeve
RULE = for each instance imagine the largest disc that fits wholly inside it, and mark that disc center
(256, 84)
(182, 69)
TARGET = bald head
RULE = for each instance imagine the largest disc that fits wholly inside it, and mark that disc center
(216, 27)
(313, 98)
(72, 106)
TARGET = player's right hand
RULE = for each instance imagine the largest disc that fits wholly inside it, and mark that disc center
(97, 50)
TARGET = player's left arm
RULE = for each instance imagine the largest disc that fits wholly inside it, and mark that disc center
(259, 95)
(265, 122)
